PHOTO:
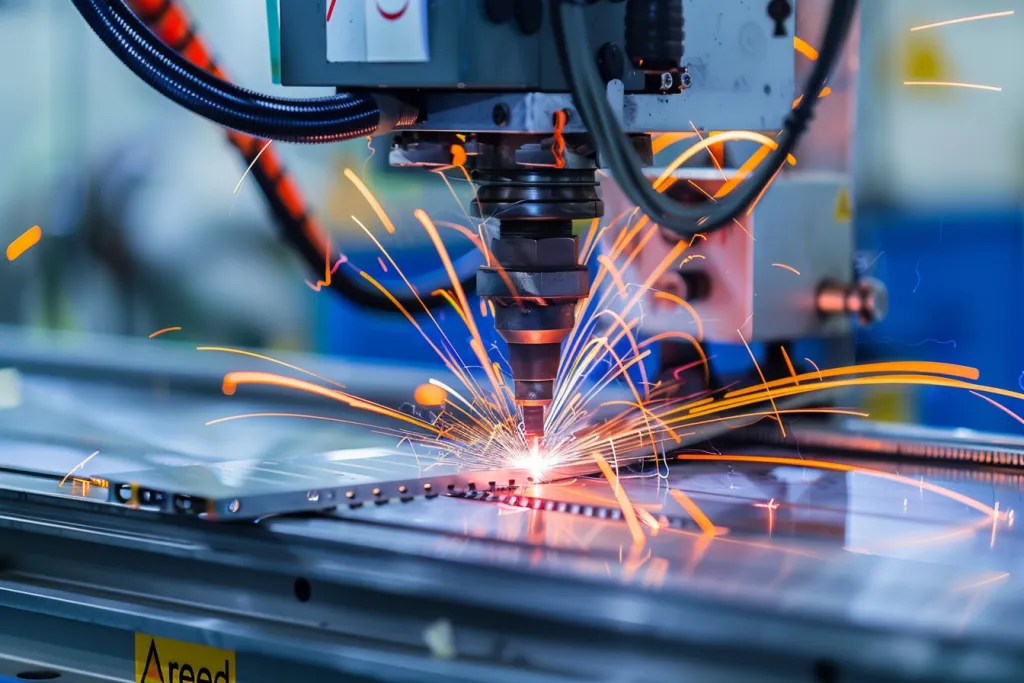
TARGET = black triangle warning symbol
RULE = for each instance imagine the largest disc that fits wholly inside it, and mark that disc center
(152, 671)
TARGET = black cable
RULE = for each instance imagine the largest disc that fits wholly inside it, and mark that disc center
(618, 155)
(324, 119)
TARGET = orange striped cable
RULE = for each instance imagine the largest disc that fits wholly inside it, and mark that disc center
(171, 23)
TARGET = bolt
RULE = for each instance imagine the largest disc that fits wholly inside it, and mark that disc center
(874, 300)
(611, 62)
(313, 496)
(500, 115)
(235, 505)
(868, 300)
(686, 79)
(666, 81)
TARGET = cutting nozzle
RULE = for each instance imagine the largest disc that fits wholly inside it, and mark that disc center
(534, 279)
(533, 426)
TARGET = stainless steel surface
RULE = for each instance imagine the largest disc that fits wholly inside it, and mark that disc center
(886, 573)
(872, 578)
(882, 439)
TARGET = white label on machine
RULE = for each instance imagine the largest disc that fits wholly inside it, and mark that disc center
(396, 31)
(377, 31)
(346, 31)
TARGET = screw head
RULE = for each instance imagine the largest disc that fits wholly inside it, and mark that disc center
(611, 61)
(235, 506)
(500, 115)
(313, 496)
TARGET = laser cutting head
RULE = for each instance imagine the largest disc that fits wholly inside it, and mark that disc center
(497, 98)
(535, 279)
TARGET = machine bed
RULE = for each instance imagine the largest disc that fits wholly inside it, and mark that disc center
(826, 562)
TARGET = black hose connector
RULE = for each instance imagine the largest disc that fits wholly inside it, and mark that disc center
(311, 120)
(655, 32)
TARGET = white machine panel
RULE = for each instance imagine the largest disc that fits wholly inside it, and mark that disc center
(377, 31)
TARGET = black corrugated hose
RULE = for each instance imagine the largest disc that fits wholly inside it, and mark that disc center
(312, 120)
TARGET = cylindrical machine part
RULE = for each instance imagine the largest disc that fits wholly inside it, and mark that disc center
(536, 280)
(655, 32)
(868, 299)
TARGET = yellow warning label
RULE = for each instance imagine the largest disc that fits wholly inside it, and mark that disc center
(889, 405)
(159, 660)
(844, 207)
(925, 59)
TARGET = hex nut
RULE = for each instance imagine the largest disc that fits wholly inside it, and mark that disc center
(529, 252)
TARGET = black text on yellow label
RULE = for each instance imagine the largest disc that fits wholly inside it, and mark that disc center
(159, 660)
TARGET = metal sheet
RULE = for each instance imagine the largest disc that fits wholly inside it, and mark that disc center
(854, 546)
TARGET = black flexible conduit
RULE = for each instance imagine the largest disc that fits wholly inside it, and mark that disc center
(311, 120)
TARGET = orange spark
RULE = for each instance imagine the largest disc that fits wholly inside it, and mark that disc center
(842, 467)
(328, 270)
(983, 582)
(763, 190)
(743, 171)
(668, 139)
(825, 92)
(682, 303)
(962, 20)
(924, 367)
(430, 395)
(694, 511)
(476, 342)
(260, 356)
(164, 331)
(647, 518)
(256, 158)
(764, 381)
(78, 467)
(771, 506)
(627, 507)
(952, 84)
(24, 242)
(371, 200)
(890, 380)
(705, 143)
(999, 405)
(247, 416)
(789, 364)
(458, 155)
(233, 379)
(785, 267)
(805, 48)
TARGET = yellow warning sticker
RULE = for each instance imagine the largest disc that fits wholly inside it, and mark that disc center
(844, 207)
(925, 59)
(889, 405)
(159, 660)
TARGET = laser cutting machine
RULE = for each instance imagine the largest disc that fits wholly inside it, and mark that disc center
(606, 76)
(273, 554)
